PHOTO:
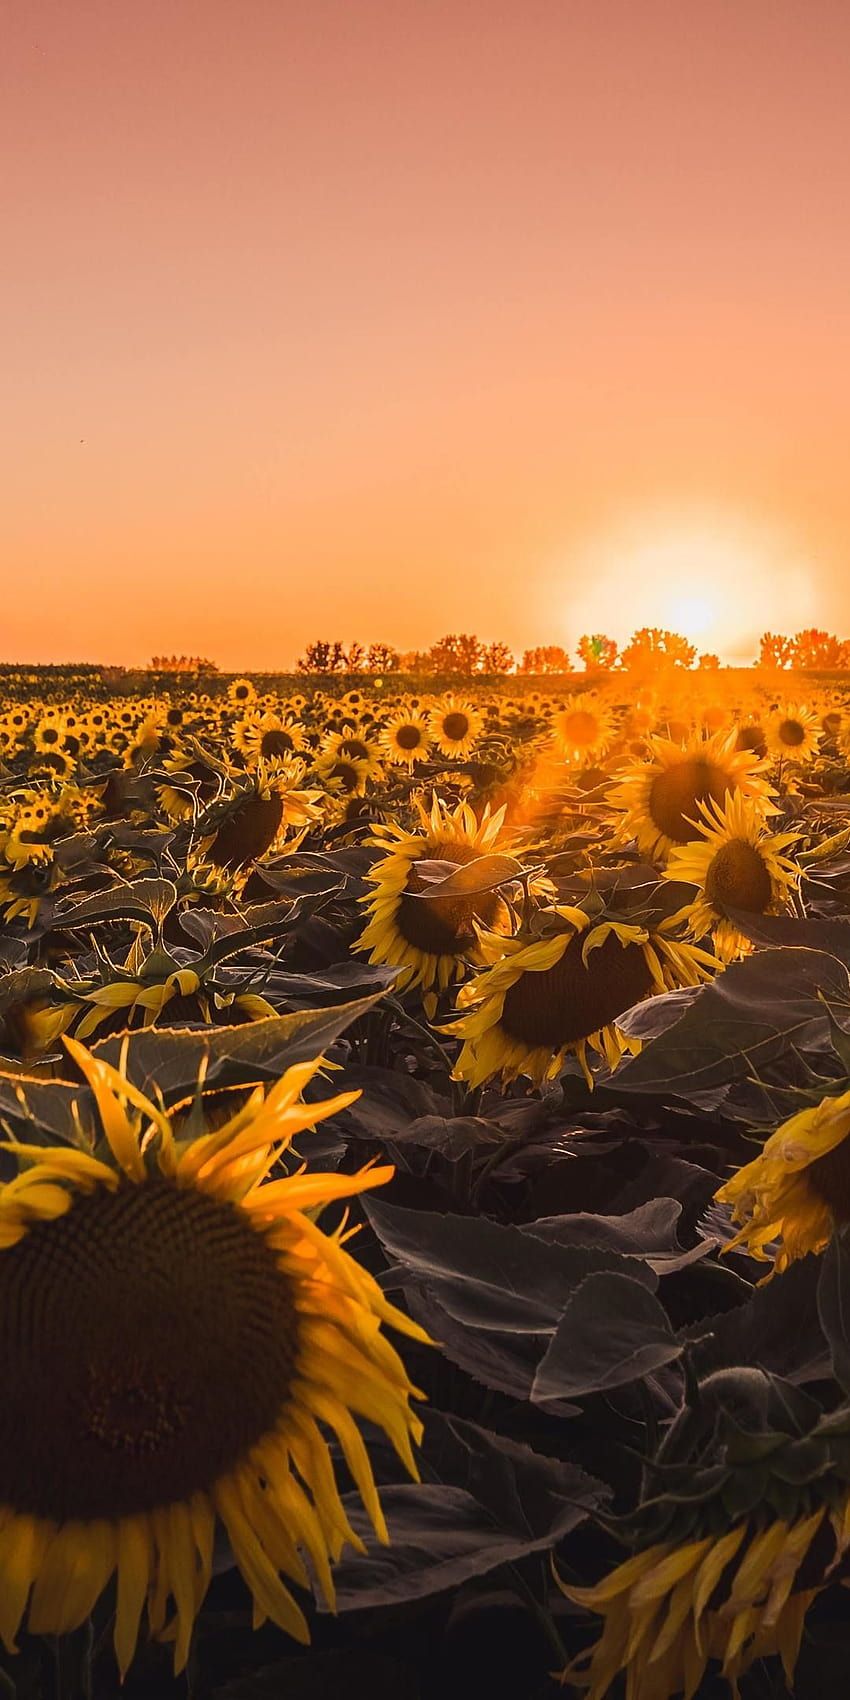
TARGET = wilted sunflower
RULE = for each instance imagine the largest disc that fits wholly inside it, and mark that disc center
(584, 728)
(790, 1198)
(734, 1597)
(405, 738)
(562, 991)
(454, 727)
(430, 941)
(660, 798)
(793, 731)
(737, 864)
(173, 1330)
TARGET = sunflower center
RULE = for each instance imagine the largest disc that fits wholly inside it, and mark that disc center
(561, 1005)
(580, 728)
(455, 726)
(792, 733)
(276, 743)
(675, 795)
(408, 737)
(148, 1340)
(355, 749)
(738, 878)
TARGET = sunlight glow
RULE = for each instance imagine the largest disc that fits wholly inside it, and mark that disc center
(719, 579)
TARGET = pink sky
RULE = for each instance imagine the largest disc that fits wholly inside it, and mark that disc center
(381, 318)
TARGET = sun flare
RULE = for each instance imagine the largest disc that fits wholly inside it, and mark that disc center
(708, 574)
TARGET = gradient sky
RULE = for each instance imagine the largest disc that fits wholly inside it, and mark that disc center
(381, 318)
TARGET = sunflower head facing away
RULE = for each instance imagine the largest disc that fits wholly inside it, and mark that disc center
(737, 863)
(430, 939)
(732, 1548)
(663, 798)
(176, 1336)
(791, 1197)
(546, 994)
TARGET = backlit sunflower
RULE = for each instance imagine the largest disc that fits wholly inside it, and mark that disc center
(241, 693)
(353, 745)
(737, 864)
(174, 1329)
(546, 995)
(454, 727)
(344, 774)
(406, 739)
(790, 1199)
(661, 797)
(268, 736)
(430, 941)
(793, 731)
(584, 728)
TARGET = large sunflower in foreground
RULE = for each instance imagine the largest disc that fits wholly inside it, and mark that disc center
(661, 798)
(562, 991)
(737, 864)
(790, 1198)
(174, 1328)
(430, 940)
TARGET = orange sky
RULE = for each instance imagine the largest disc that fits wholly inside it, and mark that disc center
(391, 317)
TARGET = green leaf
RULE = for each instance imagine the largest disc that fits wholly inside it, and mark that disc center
(613, 1331)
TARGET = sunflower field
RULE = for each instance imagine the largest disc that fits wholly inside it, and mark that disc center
(425, 1179)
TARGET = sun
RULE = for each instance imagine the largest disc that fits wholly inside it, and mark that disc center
(718, 577)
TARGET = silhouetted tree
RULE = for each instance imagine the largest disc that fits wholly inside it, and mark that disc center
(653, 644)
(461, 654)
(597, 651)
(382, 658)
(775, 650)
(547, 658)
(497, 658)
(814, 648)
(322, 657)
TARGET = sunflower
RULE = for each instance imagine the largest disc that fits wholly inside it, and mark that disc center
(268, 736)
(791, 1197)
(584, 728)
(347, 774)
(543, 996)
(737, 864)
(406, 738)
(660, 798)
(241, 693)
(242, 827)
(793, 731)
(430, 941)
(735, 1597)
(454, 727)
(49, 732)
(353, 745)
(174, 1328)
